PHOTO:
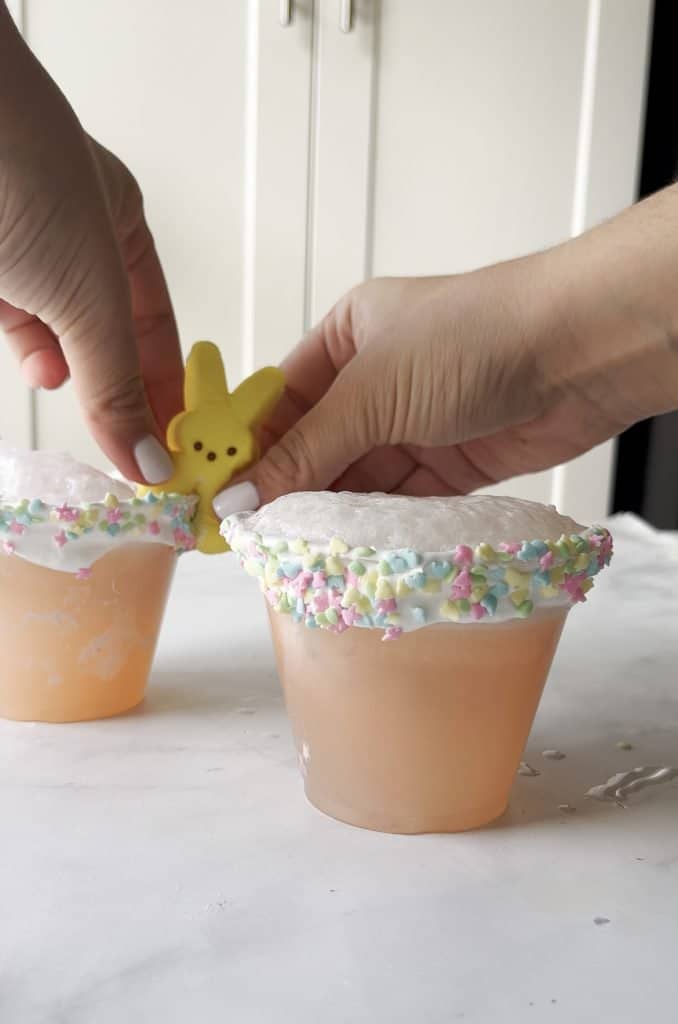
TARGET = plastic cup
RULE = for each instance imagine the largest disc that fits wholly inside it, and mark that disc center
(77, 648)
(424, 734)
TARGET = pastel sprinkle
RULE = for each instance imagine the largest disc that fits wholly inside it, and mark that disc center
(463, 555)
(384, 590)
(341, 588)
(419, 615)
(397, 564)
(416, 580)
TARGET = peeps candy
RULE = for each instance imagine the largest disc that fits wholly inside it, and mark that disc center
(212, 439)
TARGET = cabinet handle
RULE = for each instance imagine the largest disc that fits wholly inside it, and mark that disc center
(345, 15)
(285, 15)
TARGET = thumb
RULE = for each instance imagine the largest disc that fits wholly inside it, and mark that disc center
(313, 453)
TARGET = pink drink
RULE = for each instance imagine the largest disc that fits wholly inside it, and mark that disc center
(413, 638)
(83, 585)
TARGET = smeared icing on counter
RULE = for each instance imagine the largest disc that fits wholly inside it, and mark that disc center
(398, 563)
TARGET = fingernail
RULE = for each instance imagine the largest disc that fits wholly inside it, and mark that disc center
(153, 461)
(242, 497)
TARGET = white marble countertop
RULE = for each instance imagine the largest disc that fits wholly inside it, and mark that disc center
(164, 866)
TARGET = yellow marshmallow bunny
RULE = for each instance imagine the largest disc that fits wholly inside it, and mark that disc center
(213, 438)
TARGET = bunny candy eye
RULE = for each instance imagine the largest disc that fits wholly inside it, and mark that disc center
(198, 446)
(231, 451)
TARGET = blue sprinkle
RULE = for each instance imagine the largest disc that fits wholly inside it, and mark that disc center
(151, 498)
(540, 547)
(290, 569)
(398, 563)
(297, 616)
(500, 589)
(35, 507)
(311, 623)
(496, 574)
(336, 582)
(412, 558)
(112, 528)
(416, 580)
(380, 619)
(440, 569)
(528, 552)
(301, 607)
(366, 621)
(543, 577)
(593, 567)
(489, 603)
(419, 615)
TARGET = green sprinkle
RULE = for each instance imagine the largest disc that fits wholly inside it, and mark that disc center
(357, 568)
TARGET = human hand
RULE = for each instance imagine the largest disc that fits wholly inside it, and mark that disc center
(81, 286)
(442, 385)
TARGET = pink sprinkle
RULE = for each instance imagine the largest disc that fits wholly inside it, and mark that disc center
(83, 574)
(9, 548)
(351, 579)
(17, 528)
(114, 515)
(320, 602)
(301, 583)
(184, 540)
(461, 588)
(511, 549)
(477, 611)
(340, 627)
(349, 615)
(573, 587)
(271, 596)
(388, 605)
(463, 555)
(392, 633)
(60, 539)
(335, 599)
(154, 528)
(319, 579)
(546, 561)
(67, 515)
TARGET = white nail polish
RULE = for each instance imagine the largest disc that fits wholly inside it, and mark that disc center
(242, 497)
(153, 461)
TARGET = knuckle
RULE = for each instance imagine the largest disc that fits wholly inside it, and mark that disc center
(289, 464)
(118, 402)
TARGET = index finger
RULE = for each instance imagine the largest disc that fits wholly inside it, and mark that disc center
(310, 369)
(155, 327)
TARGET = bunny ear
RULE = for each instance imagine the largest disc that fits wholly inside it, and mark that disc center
(254, 399)
(205, 379)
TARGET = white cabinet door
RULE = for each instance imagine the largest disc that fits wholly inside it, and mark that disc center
(447, 134)
(208, 104)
